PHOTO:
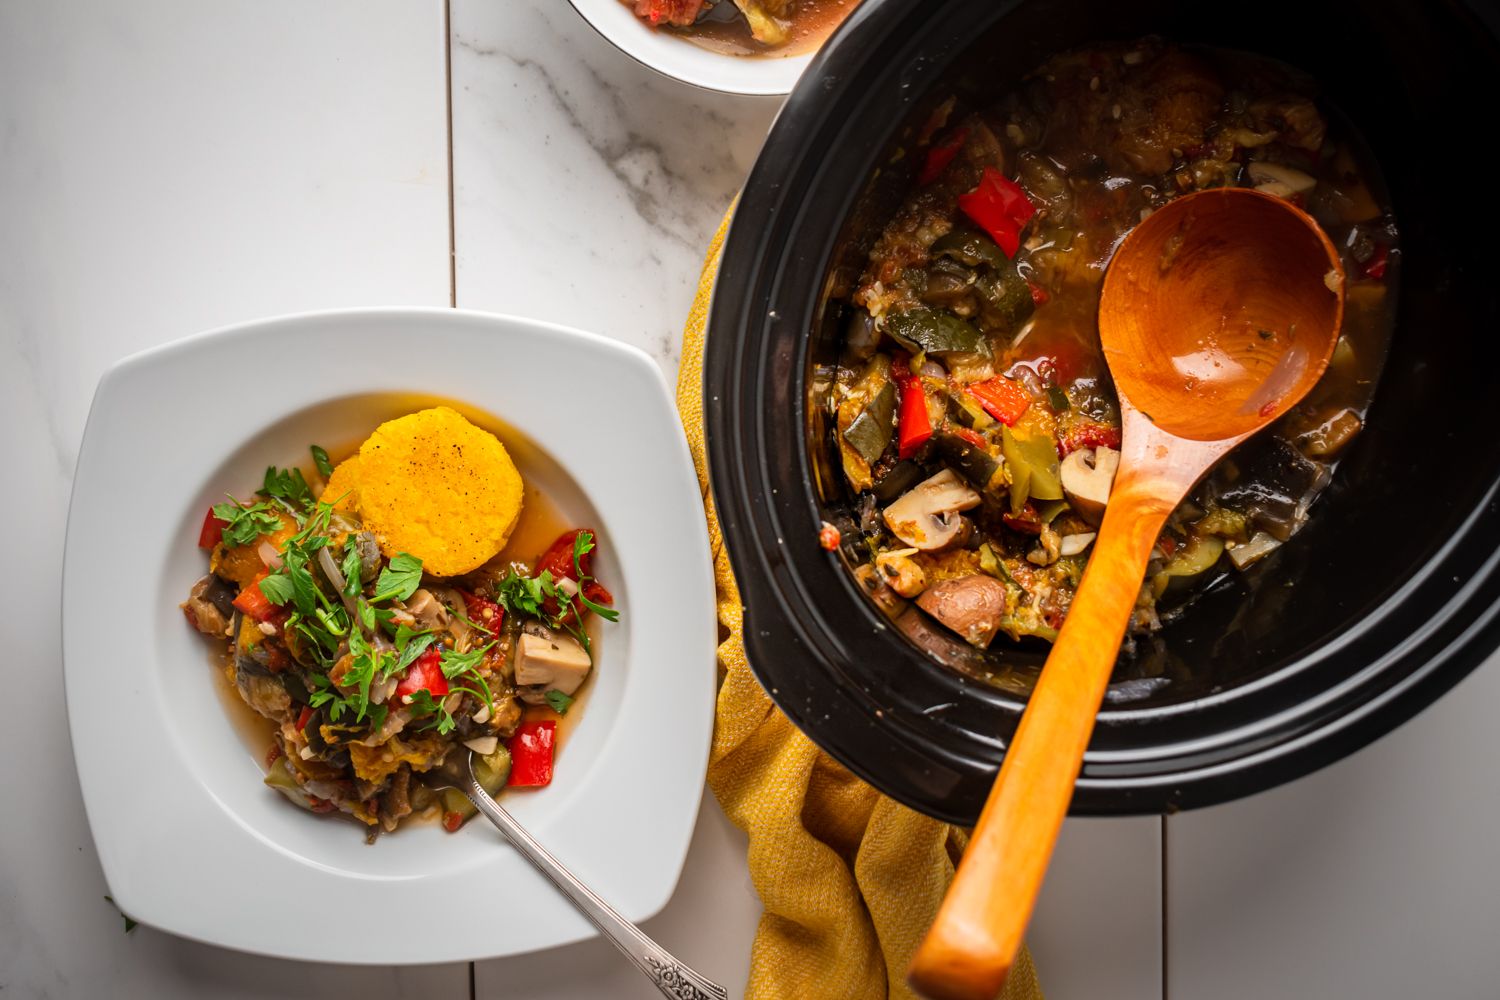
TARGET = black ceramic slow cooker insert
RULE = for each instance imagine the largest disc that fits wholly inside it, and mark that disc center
(1380, 604)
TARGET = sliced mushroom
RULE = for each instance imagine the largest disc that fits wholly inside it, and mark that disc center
(427, 609)
(1283, 182)
(547, 661)
(972, 606)
(1087, 476)
(927, 516)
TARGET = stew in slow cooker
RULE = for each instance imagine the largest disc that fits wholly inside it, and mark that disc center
(747, 27)
(976, 424)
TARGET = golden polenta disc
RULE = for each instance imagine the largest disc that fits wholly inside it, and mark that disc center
(343, 486)
(434, 485)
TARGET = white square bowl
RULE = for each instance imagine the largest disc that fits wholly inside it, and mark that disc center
(190, 839)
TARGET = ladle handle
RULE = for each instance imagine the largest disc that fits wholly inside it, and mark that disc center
(969, 949)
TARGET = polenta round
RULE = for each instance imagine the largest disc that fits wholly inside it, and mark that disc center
(434, 485)
(343, 486)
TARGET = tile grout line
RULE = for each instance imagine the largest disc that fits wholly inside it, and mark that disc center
(452, 228)
(1164, 926)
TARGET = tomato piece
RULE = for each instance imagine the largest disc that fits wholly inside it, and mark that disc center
(828, 537)
(483, 612)
(558, 559)
(531, 752)
(1088, 434)
(452, 821)
(1029, 521)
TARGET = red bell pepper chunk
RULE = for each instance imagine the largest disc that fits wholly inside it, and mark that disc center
(253, 601)
(1378, 262)
(424, 674)
(913, 425)
(212, 531)
(1000, 207)
(305, 717)
(1002, 398)
(531, 750)
(939, 156)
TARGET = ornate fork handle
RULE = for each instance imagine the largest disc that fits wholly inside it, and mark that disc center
(672, 978)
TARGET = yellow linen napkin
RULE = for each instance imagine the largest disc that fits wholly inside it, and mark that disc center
(850, 879)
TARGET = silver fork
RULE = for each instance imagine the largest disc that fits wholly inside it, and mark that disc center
(672, 978)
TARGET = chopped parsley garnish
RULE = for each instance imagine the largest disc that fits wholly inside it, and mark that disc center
(400, 579)
(243, 523)
(320, 459)
(351, 566)
(289, 486)
(410, 644)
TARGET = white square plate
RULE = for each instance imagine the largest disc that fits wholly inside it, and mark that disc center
(190, 839)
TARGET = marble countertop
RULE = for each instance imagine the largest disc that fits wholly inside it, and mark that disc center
(167, 167)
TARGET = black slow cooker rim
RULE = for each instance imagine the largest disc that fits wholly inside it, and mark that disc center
(805, 624)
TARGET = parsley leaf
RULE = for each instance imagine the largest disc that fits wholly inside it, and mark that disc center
(320, 459)
(350, 566)
(523, 594)
(423, 705)
(410, 644)
(453, 663)
(400, 579)
(583, 544)
(288, 486)
(277, 588)
(245, 523)
(560, 702)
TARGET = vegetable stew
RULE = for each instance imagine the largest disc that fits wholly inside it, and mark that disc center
(747, 27)
(976, 425)
(370, 667)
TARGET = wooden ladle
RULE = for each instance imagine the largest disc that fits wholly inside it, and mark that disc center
(1219, 312)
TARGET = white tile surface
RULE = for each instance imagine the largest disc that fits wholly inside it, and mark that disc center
(586, 187)
(165, 167)
(1374, 878)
